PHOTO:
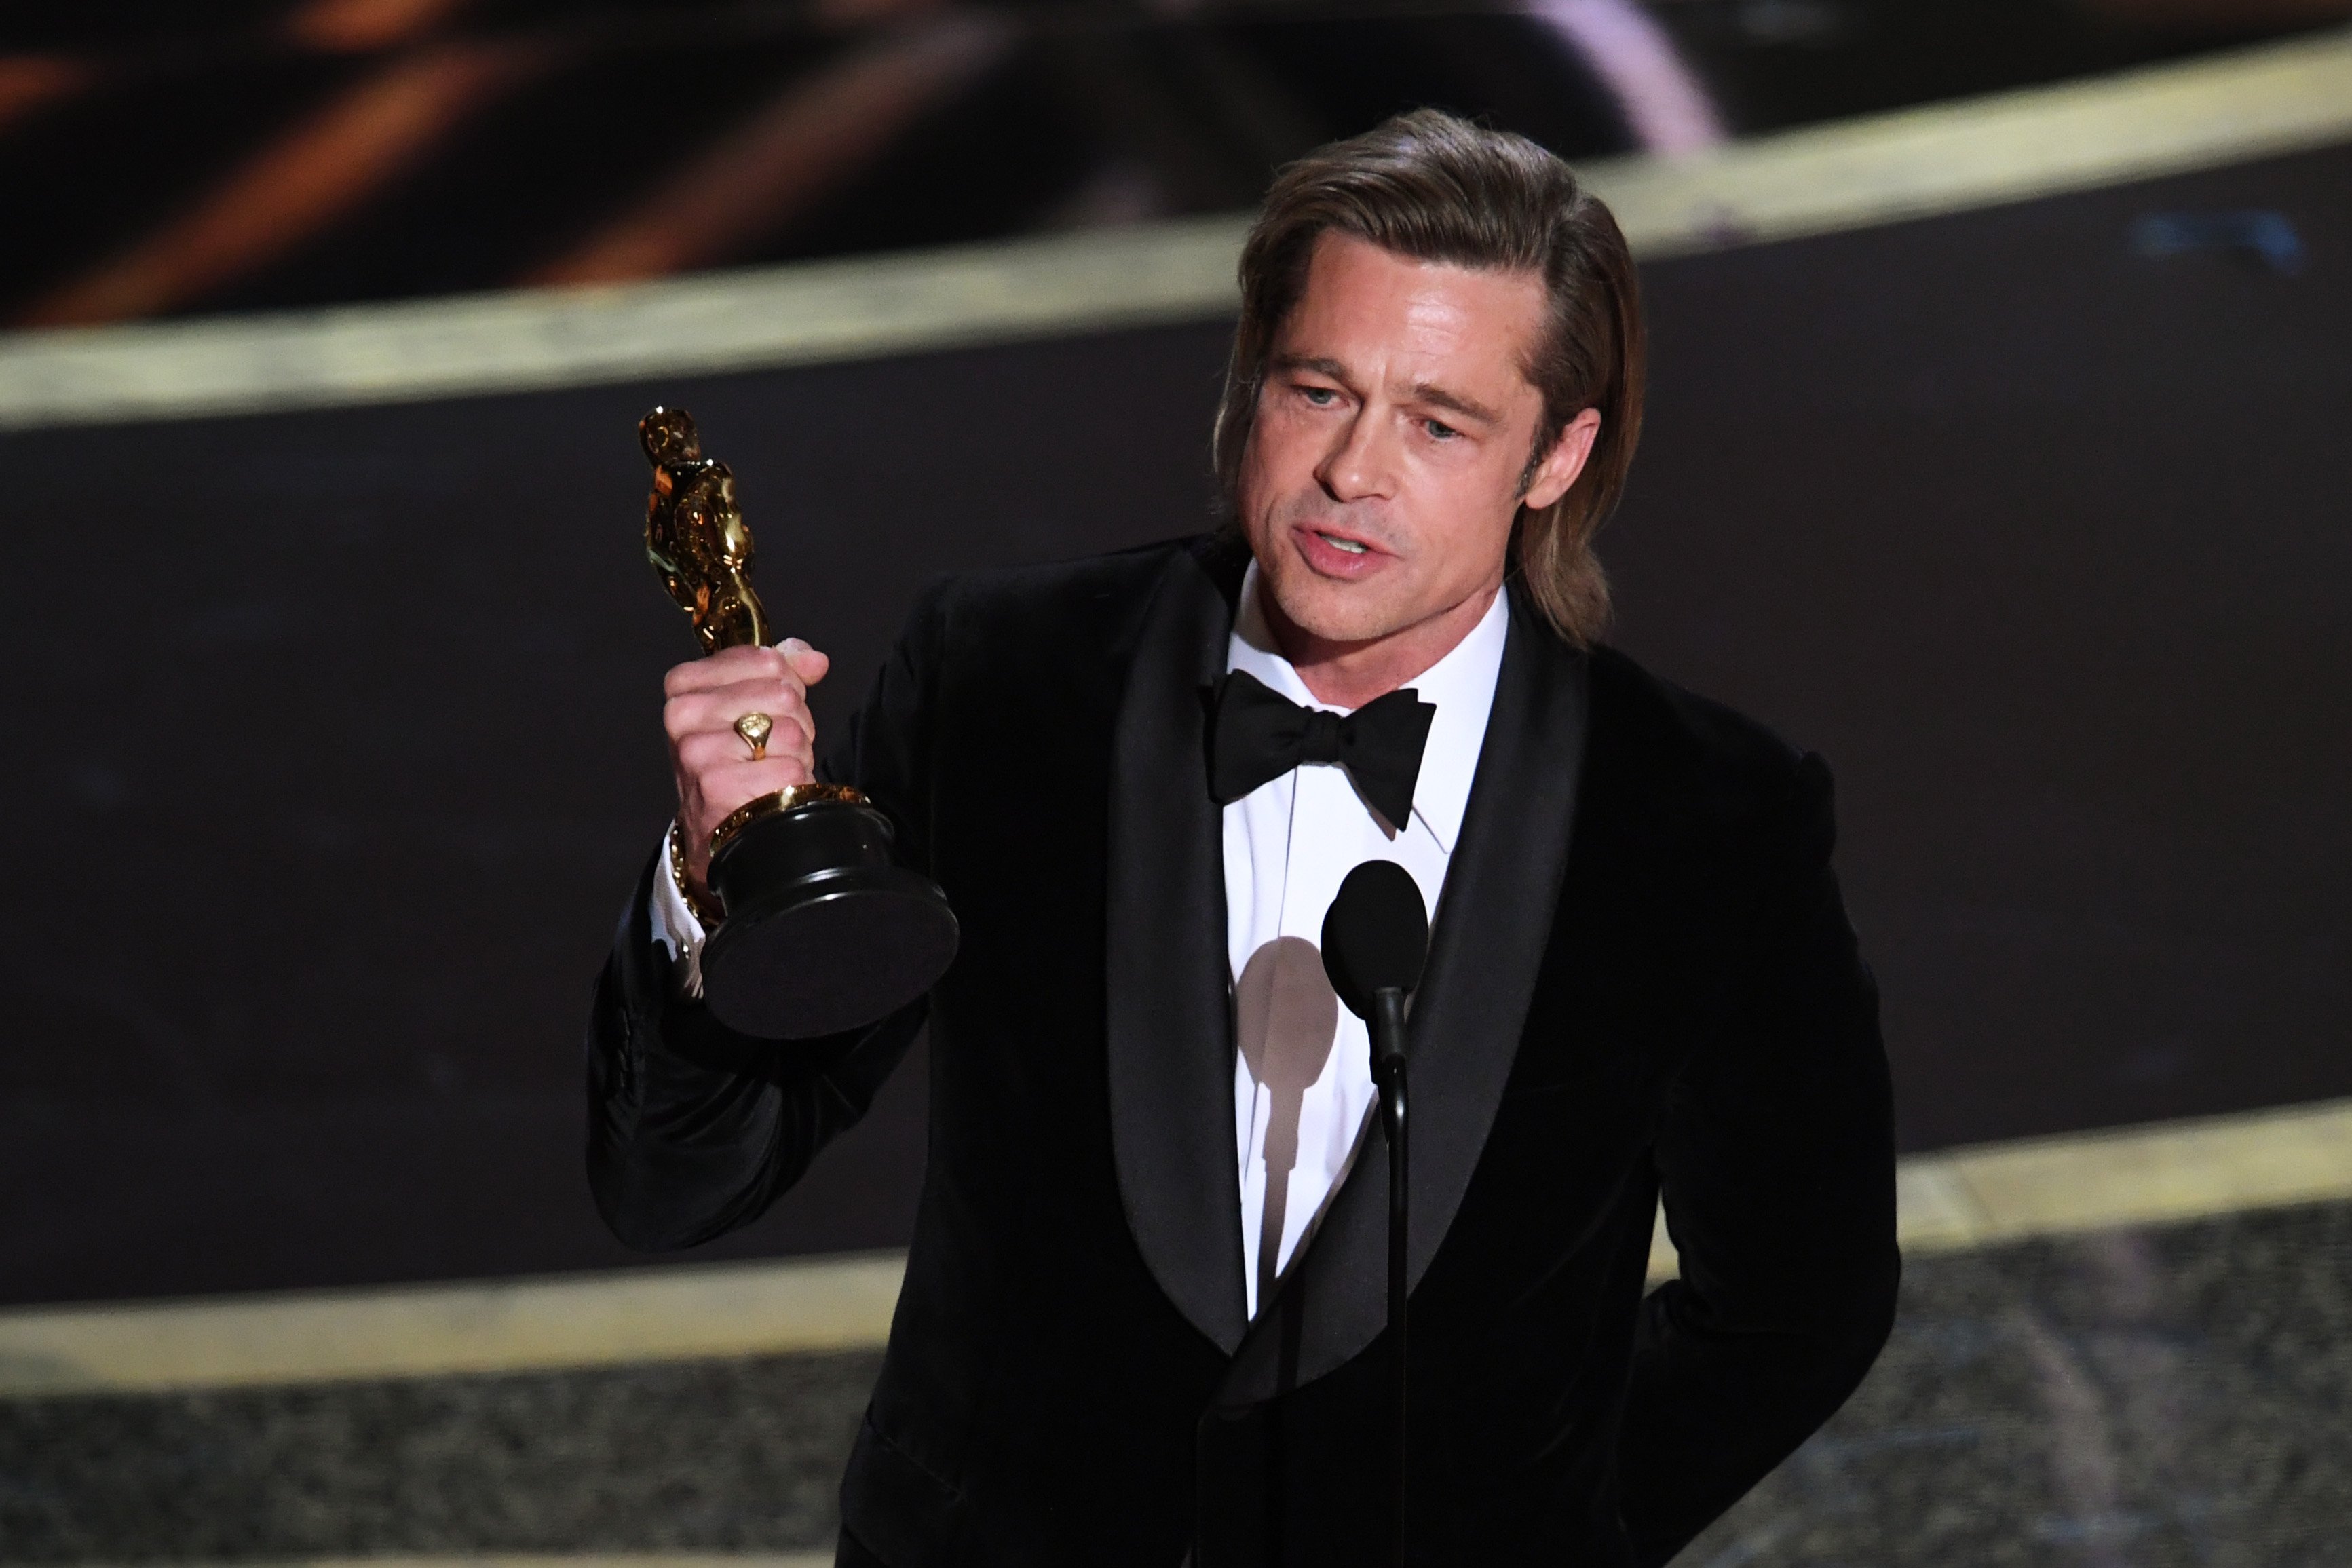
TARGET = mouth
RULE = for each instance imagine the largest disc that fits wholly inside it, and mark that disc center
(1338, 552)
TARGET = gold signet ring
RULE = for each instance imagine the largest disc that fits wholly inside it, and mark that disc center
(755, 728)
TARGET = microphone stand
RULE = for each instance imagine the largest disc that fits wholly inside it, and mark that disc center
(1389, 1075)
(1375, 943)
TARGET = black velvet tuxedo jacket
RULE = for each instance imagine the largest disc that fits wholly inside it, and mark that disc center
(1641, 978)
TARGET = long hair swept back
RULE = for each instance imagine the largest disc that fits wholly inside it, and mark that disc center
(1435, 188)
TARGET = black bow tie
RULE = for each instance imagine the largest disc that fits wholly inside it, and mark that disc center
(1259, 735)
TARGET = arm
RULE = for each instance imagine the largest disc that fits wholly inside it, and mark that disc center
(694, 1129)
(1776, 1157)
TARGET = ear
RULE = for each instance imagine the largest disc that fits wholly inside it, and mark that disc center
(1564, 462)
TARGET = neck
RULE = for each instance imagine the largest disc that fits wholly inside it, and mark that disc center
(1349, 675)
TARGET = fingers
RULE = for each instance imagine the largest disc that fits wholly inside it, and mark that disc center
(714, 767)
(806, 661)
(790, 660)
(709, 796)
(709, 753)
(718, 791)
(717, 709)
(716, 771)
(723, 668)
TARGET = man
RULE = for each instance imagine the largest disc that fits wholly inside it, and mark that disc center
(1143, 1308)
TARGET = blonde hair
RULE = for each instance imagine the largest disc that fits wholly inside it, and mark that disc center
(1436, 188)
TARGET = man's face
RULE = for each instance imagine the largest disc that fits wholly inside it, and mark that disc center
(1392, 429)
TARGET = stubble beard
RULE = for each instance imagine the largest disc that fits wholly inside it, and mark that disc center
(1329, 609)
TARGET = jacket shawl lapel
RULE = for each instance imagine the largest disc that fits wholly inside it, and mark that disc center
(1170, 1031)
(1493, 924)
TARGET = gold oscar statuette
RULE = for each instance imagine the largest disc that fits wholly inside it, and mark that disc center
(822, 930)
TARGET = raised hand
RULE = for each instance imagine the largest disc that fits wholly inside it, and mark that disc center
(714, 763)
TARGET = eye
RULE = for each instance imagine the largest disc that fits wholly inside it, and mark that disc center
(1439, 429)
(1319, 397)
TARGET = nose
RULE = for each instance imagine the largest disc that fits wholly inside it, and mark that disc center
(1361, 465)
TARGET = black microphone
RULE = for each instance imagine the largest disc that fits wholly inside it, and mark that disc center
(1375, 941)
(1375, 936)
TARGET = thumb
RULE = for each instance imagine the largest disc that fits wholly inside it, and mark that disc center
(807, 664)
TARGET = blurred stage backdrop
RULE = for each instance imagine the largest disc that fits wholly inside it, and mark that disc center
(1996, 449)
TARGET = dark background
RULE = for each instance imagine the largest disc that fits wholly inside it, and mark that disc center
(333, 750)
(143, 141)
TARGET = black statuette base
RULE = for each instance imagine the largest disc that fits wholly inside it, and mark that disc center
(824, 932)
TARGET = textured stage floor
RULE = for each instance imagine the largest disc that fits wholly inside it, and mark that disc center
(2156, 1397)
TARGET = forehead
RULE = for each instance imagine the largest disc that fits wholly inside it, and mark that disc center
(1367, 308)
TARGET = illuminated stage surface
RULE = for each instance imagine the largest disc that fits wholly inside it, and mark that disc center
(2151, 1397)
(2154, 1396)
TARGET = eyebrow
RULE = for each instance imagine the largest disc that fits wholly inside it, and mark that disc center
(1321, 367)
(1424, 391)
(1438, 397)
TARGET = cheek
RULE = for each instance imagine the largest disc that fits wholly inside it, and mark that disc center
(1467, 501)
(1277, 441)
(1276, 456)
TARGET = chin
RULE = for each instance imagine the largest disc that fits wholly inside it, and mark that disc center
(1334, 611)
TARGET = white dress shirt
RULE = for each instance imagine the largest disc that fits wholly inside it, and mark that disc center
(1287, 845)
(675, 928)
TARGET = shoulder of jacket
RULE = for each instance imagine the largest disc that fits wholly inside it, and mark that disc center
(1718, 759)
(1064, 615)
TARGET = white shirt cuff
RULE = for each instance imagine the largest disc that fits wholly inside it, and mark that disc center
(675, 928)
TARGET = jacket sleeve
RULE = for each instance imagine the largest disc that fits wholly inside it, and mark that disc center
(1777, 1166)
(694, 1129)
